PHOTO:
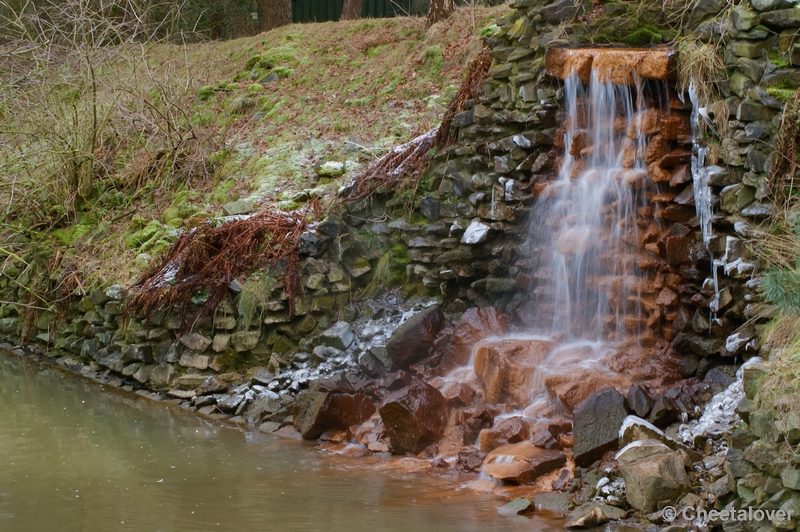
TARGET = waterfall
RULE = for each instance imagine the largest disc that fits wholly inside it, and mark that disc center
(585, 227)
(601, 289)
(701, 174)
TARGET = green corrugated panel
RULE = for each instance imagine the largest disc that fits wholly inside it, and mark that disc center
(326, 10)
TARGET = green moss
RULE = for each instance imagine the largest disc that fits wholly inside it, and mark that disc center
(253, 61)
(221, 193)
(148, 235)
(776, 59)
(643, 35)
(433, 59)
(785, 95)
(204, 93)
(157, 247)
(283, 72)
(278, 55)
(492, 30)
(288, 205)
(231, 360)
(255, 87)
(70, 235)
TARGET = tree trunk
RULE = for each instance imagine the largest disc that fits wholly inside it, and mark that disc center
(351, 9)
(274, 14)
(439, 10)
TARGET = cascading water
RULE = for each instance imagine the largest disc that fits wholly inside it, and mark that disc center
(594, 288)
(584, 228)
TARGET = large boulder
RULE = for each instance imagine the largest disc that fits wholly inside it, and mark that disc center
(456, 342)
(506, 369)
(653, 474)
(596, 424)
(413, 339)
(521, 462)
(317, 412)
(415, 417)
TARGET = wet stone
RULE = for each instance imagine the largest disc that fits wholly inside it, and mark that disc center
(521, 463)
(414, 338)
(596, 425)
(470, 458)
(211, 385)
(161, 374)
(321, 411)
(415, 417)
(639, 401)
(516, 507)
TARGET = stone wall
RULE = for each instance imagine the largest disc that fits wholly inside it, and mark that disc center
(471, 247)
(463, 244)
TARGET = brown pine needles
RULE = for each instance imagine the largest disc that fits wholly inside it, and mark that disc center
(206, 259)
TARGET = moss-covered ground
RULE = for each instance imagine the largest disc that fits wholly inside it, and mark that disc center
(183, 130)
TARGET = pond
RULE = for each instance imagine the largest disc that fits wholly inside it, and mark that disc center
(75, 455)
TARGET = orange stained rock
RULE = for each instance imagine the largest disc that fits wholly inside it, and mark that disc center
(616, 65)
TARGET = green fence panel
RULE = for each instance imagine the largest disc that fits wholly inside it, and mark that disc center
(327, 10)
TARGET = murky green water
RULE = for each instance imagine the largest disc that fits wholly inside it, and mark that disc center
(75, 456)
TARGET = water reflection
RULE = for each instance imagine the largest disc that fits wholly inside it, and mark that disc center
(74, 456)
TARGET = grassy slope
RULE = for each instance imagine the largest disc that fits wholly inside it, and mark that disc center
(370, 83)
(347, 91)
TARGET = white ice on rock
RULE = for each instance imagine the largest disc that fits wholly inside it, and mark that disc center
(719, 416)
(476, 233)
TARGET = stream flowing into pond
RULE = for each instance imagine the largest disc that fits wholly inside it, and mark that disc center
(75, 455)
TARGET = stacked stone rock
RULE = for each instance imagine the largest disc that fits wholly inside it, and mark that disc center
(157, 354)
(488, 182)
(759, 471)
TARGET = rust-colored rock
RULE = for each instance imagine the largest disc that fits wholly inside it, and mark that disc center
(510, 430)
(458, 394)
(667, 297)
(680, 176)
(676, 125)
(320, 411)
(415, 417)
(656, 149)
(470, 458)
(474, 325)
(452, 441)
(615, 65)
(541, 437)
(506, 369)
(579, 139)
(475, 419)
(574, 384)
(521, 463)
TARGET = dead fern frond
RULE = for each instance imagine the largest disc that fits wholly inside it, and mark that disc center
(207, 259)
(409, 161)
